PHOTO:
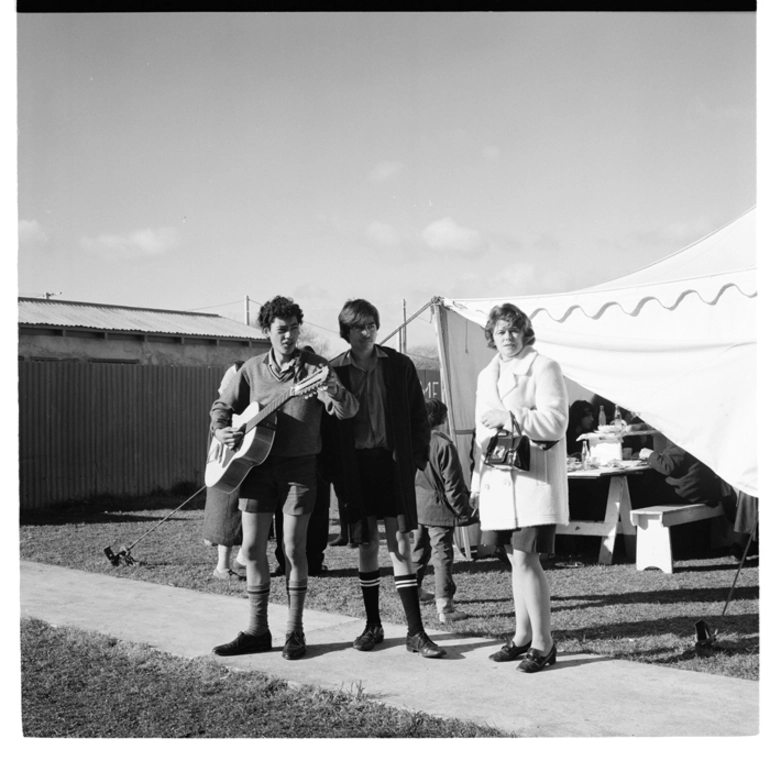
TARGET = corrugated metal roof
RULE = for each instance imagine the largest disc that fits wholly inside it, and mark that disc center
(75, 314)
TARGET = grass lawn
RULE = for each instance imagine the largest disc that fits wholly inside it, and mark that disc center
(608, 610)
(86, 685)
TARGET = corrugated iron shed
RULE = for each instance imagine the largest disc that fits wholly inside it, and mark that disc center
(49, 313)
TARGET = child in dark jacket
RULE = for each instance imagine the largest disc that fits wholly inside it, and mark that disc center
(442, 498)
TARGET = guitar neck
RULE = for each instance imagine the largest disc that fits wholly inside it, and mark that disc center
(268, 410)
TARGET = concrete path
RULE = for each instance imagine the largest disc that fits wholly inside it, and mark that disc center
(581, 696)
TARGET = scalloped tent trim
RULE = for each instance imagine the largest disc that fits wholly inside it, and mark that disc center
(675, 342)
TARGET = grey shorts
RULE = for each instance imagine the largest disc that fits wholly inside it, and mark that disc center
(285, 482)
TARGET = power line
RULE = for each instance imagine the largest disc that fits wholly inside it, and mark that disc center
(321, 327)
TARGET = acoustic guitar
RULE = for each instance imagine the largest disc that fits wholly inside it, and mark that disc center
(225, 467)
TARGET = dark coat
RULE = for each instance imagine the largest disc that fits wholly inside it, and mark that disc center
(408, 432)
(442, 495)
(692, 480)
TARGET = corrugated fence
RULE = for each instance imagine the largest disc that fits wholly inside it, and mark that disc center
(88, 429)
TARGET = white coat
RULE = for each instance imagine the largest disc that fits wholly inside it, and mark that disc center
(531, 387)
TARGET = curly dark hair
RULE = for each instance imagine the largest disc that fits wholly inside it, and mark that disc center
(356, 312)
(280, 307)
(437, 412)
(515, 317)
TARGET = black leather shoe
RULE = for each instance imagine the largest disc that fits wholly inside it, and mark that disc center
(421, 643)
(509, 652)
(244, 644)
(537, 661)
(340, 541)
(370, 637)
(295, 646)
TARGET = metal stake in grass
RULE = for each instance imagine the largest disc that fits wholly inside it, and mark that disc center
(124, 553)
(704, 639)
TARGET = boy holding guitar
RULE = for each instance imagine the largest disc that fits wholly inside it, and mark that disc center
(285, 475)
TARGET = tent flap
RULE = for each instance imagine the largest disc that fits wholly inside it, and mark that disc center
(674, 342)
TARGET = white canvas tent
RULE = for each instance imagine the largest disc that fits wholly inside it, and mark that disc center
(675, 342)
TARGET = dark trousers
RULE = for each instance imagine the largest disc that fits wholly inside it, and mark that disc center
(317, 530)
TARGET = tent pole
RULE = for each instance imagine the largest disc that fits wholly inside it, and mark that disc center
(446, 392)
(405, 323)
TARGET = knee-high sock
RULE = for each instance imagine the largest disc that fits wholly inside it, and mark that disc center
(370, 588)
(258, 597)
(407, 591)
(297, 591)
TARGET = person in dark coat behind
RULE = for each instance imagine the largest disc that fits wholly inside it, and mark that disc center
(581, 420)
(372, 459)
(442, 499)
(695, 482)
(692, 480)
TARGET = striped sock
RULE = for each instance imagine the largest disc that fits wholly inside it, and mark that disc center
(406, 586)
(297, 590)
(370, 588)
(258, 597)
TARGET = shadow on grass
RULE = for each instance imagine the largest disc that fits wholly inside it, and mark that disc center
(680, 626)
(66, 517)
(482, 565)
(655, 597)
(721, 647)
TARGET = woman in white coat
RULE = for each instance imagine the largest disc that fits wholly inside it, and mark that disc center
(523, 508)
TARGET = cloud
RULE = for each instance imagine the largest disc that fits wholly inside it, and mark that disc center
(491, 152)
(687, 232)
(446, 235)
(31, 233)
(138, 244)
(382, 234)
(385, 170)
(676, 233)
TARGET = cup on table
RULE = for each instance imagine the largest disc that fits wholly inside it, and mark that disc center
(627, 453)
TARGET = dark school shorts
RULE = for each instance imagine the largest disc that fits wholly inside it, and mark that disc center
(376, 472)
(534, 539)
(286, 482)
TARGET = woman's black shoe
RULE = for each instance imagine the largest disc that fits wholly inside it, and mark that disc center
(536, 661)
(509, 652)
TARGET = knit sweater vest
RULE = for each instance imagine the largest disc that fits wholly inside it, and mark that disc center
(298, 431)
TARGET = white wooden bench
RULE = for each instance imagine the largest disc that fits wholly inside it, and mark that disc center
(653, 537)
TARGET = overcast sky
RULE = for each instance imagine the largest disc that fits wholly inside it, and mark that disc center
(184, 161)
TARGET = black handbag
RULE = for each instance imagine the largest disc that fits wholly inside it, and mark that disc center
(508, 449)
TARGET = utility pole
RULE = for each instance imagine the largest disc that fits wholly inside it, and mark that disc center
(403, 327)
(246, 309)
